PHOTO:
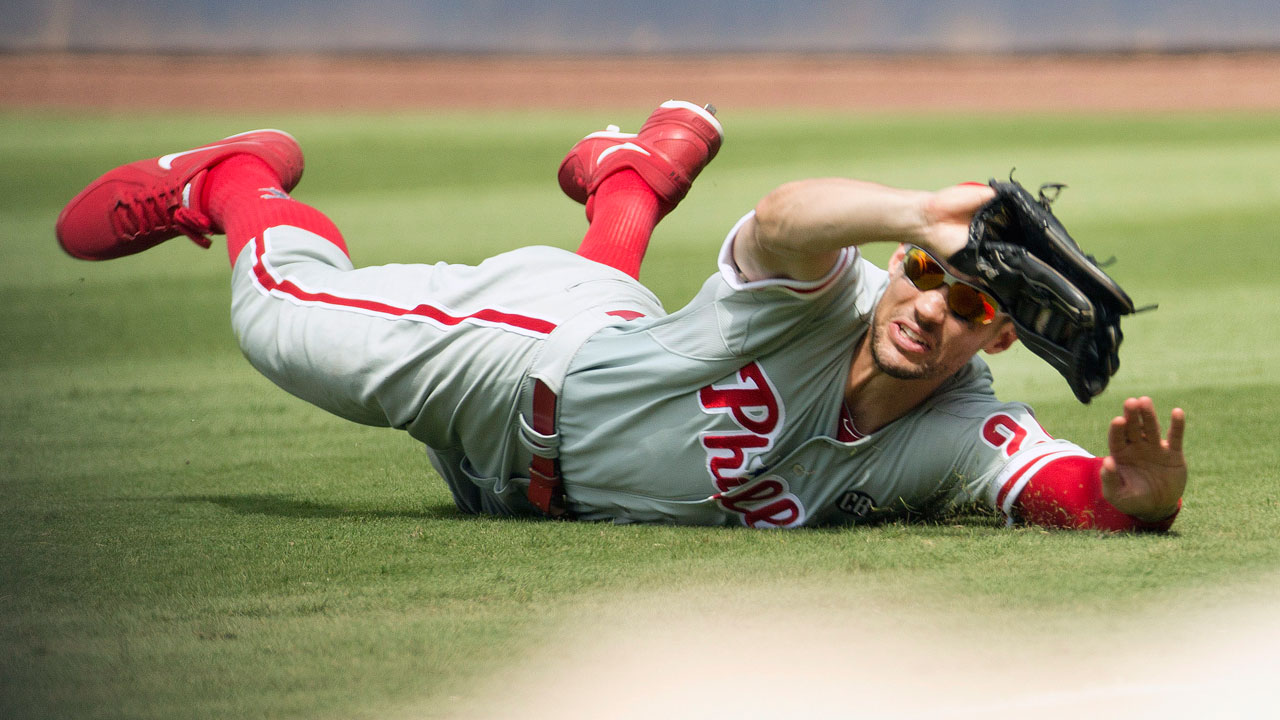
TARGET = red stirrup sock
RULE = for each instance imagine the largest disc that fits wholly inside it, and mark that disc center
(623, 212)
(242, 195)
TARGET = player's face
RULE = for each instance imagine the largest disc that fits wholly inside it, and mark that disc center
(915, 334)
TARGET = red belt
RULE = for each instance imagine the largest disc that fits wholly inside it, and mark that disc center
(546, 490)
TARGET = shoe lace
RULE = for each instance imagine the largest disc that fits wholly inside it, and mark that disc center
(161, 211)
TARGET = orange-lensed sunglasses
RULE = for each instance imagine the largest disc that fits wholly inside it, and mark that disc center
(965, 300)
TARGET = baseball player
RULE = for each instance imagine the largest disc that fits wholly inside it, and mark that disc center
(801, 386)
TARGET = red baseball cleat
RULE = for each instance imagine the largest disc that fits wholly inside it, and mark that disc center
(578, 169)
(142, 204)
(672, 147)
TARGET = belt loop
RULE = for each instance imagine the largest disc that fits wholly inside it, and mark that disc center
(546, 490)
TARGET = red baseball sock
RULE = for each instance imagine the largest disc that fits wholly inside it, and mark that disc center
(242, 195)
(623, 212)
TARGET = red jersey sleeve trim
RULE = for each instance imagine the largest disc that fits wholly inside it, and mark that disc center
(1015, 476)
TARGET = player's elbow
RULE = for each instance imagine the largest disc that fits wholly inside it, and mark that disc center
(775, 217)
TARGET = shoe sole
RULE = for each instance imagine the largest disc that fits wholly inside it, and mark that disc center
(705, 112)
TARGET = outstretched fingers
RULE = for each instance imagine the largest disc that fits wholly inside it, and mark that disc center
(1177, 426)
(1117, 434)
(1140, 421)
(1138, 425)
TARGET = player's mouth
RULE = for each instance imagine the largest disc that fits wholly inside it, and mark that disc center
(908, 339)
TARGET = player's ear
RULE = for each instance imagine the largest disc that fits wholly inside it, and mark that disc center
(1004, 339)
(895, 260)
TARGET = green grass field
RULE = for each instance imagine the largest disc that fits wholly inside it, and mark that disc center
(180, 539)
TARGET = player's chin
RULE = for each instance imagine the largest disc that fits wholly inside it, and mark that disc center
(906, 371)
(893, 362)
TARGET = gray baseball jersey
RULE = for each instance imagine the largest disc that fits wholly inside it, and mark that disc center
(728, 411)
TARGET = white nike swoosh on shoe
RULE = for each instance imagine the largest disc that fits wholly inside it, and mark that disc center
(615, 148)
(166, 161)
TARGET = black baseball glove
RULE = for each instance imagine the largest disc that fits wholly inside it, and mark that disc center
(1066, 309)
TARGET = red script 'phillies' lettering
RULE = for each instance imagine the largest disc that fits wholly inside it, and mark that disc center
(765, 502)
(755, 407)
(753, 404)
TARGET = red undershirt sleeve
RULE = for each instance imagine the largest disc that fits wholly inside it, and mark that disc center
(1067, 493)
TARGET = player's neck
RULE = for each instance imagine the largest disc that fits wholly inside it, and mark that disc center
(874, 398)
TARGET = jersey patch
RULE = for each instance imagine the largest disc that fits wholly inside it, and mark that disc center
(856, 503)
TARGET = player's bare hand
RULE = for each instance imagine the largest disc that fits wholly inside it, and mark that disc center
(1146, 472)
(948, 213)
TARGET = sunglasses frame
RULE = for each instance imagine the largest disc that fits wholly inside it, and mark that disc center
(951, 281)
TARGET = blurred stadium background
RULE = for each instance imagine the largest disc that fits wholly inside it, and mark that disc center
(656, 26)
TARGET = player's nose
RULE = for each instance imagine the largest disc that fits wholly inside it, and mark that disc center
(931, 305)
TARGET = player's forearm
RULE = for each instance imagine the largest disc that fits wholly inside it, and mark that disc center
(827, 214)
(800, 227)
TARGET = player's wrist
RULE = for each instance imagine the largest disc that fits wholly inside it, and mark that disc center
(1159, 520)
